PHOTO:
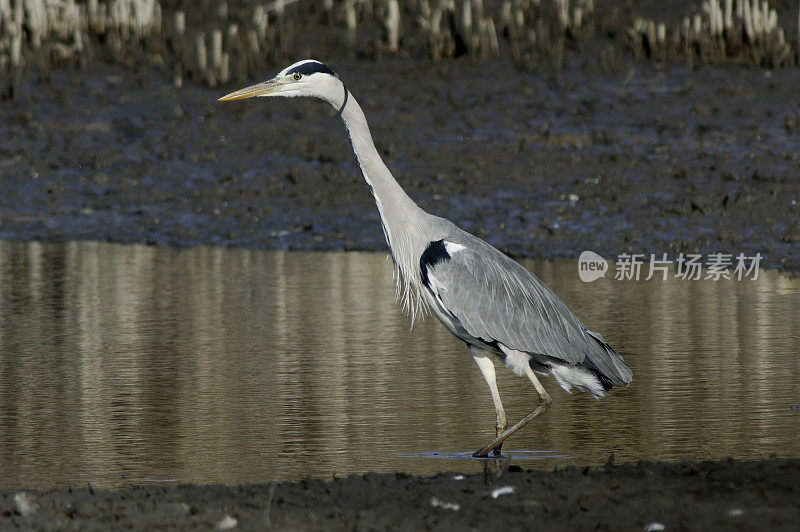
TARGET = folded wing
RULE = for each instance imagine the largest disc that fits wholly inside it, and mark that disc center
(495, 299)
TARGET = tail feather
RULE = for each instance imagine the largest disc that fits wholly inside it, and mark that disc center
(601, 369)
(580, 377)
(607, 363)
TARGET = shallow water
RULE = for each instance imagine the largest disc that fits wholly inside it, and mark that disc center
(131, 364)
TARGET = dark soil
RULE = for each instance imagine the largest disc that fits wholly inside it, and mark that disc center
(727, 495)
(653, 160)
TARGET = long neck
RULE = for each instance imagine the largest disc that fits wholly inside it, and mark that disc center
(401, 218)
(388, 193)
(398, 212)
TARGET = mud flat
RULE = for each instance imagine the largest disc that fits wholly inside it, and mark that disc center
(725, 495)
(647, 160)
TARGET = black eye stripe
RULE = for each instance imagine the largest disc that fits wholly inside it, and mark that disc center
(311, 67)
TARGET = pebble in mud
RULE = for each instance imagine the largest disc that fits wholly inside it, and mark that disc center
(503, 490)
(227, 523)
(25, 504)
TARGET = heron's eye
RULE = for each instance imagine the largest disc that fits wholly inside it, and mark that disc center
(297, 76)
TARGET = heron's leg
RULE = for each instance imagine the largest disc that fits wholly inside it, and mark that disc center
(486, 365)
(541, 408)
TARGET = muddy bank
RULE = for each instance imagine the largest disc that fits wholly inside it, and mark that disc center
(217, 42)
(648, 160)
(726, 495)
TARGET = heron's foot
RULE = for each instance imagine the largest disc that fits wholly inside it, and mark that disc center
(497, 451)
(497, 443)
(484, 451)
(501, 428)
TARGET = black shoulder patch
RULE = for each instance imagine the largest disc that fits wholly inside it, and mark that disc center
(312, 67)
(435, 253)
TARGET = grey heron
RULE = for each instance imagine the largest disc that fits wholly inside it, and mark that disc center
(490, 302)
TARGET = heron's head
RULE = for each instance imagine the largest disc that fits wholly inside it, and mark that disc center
(304, 78)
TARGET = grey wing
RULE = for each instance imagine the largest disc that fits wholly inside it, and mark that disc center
(495, 299)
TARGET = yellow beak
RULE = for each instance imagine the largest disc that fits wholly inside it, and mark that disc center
(259, 89)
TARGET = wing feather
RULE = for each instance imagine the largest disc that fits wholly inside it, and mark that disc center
(496, 299)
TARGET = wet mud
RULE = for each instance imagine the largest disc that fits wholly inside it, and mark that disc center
(726, 495)
(645, 160)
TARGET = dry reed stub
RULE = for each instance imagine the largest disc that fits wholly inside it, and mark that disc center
(393, 25)
(745, 31)
(453, 29)
(177, 40)
(201, 61)
(218, 40)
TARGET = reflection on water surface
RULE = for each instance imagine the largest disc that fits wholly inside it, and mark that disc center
(123, 364)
